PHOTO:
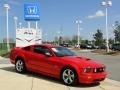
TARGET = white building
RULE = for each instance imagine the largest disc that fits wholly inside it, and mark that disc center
(28, 36)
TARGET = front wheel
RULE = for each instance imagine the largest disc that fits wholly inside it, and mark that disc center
(69, 76)
(20, 66)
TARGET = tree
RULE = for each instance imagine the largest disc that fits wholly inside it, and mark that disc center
(98, 36)
(60, 40)
(111, 41)
(117, 31)
(74, 39)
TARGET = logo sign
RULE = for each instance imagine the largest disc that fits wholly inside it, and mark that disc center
(32, 12)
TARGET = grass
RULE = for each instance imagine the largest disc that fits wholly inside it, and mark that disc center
(4, 53)
(105, 53)
(3, 49)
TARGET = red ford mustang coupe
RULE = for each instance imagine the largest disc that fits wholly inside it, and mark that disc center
(58, 62)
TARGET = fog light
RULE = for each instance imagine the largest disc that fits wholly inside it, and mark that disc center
(89, 77)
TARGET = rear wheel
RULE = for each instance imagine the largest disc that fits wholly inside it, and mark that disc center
(69, 76)
(20, 66)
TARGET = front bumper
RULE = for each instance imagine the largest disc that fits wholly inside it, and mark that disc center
(88, 78)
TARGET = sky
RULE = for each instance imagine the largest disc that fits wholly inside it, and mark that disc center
(56, 15)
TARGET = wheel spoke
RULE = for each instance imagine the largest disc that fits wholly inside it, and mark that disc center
(65, 74)
(66, 80)
(72, 76)
(70, 79)
(20, 63)
(69, 72)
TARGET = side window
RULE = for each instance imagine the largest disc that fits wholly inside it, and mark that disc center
(40, 50)
(26, 48)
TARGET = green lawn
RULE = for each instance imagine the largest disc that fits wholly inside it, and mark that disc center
(3, 49)
(4, 53)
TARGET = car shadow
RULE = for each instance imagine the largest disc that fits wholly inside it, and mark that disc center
(47, 78)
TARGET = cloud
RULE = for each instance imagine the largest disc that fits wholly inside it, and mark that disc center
(97, 14)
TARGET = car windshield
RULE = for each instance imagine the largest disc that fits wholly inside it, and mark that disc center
(62, 51)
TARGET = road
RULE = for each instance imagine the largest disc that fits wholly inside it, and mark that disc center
(112, 63)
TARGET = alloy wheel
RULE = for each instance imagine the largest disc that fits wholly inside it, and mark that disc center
(68, 76)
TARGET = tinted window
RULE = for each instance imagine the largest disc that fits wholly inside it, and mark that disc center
(27, 48)
(40, 50)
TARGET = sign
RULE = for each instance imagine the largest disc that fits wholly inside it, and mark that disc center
(32, 12)
(25, 37)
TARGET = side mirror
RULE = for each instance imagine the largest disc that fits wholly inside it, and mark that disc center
(48, 54)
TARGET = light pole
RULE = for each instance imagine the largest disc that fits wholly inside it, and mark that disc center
(7, 7)
(78, 22)
(29, 25)
(58, 32)
(106, 4)
(36, 25)
(46, 38)
(20, 25)
(15, 20)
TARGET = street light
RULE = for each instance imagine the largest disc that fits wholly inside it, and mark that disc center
(106, 4)
(78, 22)
(15, 20)
(36, 25)
(58, 32)
(7, 7)
(20, 25)
(46, 38)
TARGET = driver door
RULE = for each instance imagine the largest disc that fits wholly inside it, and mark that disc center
(39, 61)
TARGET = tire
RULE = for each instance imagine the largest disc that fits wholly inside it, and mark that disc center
(69, 77)
(20, 66)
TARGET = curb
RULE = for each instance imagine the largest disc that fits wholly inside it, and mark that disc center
(114, 82)
(109, 84)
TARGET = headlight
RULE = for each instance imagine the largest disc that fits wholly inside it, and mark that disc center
(95, 70)
(87, 70)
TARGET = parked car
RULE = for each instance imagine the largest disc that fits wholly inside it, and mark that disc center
(91, 46)
(83, 46)
(65, 45)
(77, 46)
(102, 47)
(87, 46)
(58, 62)
(116, 47)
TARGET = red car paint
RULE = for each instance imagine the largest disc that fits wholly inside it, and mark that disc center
(53, 65)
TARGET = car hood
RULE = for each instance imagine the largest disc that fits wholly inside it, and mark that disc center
(82, 62)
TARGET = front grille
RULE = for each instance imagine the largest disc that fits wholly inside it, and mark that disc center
(97, 70)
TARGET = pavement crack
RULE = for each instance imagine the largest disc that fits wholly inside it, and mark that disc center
(102, 88)
(32, 84)
(68, 88)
